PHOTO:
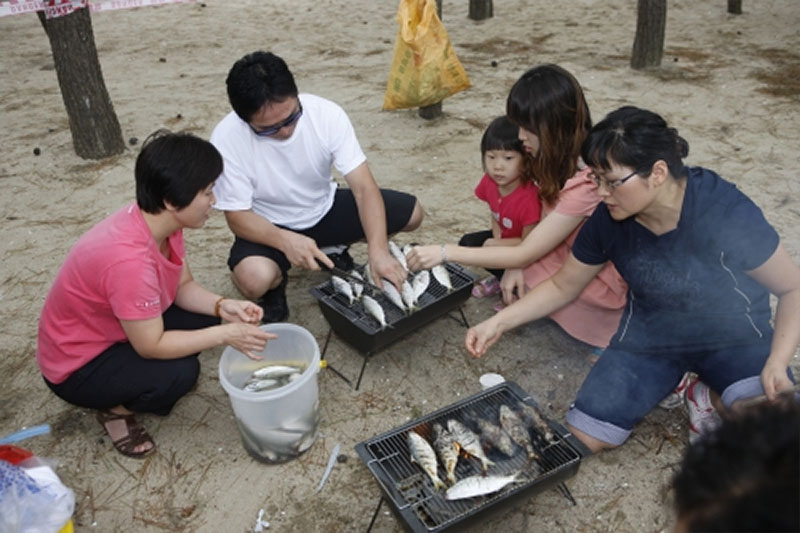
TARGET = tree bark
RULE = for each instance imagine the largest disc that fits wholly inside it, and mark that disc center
(481, 9)
(735, 7)
(648, 45)
(432, 111)
(95, 129)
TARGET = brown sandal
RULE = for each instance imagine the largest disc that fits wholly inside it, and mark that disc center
(136, 436)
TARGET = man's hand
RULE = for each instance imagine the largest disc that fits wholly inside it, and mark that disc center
(302, 251)
(384, 266)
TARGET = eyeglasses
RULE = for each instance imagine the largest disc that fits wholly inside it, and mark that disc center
(269, 131)
(611, 186)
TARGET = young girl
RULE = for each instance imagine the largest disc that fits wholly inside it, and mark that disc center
(548, 106)
(701, 262)
(509, 190)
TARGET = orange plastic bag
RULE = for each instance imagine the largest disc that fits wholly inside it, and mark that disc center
(425, 69)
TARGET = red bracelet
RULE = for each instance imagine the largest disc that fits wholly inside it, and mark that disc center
(216, 307)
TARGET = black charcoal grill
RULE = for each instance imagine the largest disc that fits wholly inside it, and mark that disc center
(361, 331)
(410, 493)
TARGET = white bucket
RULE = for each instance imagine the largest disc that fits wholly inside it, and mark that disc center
(279, 424)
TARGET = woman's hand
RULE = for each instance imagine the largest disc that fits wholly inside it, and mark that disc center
(513, 285)
(774, 379)
(481, 337)
(240, 311)
(422, 257)
(247, 338)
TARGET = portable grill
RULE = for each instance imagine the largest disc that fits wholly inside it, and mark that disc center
(410, 493)
(363, 332)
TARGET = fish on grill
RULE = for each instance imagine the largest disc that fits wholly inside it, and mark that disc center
(374, 309)
(532, 416)
(474, 486)
(408, 296)
(442, 276)
(447, 449)
(512, 424)
(496, 436)
(343, 287)
(358, 288)
(398, 254)
(423, 455)
(391, 292)
(420, 284)
(468, 441)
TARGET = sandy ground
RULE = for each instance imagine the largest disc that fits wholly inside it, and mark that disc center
(729, 83)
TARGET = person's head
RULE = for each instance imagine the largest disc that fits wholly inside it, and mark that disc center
(745, 476)
(502, 153)
(630, 145)
(173, 169)
(548, 106)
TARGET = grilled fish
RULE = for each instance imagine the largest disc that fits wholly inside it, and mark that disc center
(342, 287)
(468, 441)
(496, 436)
(424, 456)
(512, 424)
(391, 292)
(478, 486)
(420, 284)
(374, 310)
(398, 254)
(447, 449)
(532, 416)
(442, 276)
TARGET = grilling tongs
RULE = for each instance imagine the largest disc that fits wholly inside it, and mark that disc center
(349, 277)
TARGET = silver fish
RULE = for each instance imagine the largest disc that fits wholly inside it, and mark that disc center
(425, 457)
(513, 425)
(496, 436)
(259, 385)
(374, 309)
(398, 254)
(358, 288)
(531, 415)
(408, 296)
(478, 486)
(447, 449)
(391, 292)
(442, 276)
(420, 284)
(406, 249)
(342, 287)
(368, 275)
(275, 371)
(468, 441)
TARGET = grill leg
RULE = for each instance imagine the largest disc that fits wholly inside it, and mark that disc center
(562, 488)
(374, 515)
(463, 320)
(331, 367)
(361, 374)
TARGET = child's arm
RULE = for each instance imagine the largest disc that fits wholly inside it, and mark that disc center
(513, 241)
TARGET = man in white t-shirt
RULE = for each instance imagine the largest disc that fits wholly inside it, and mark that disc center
(278, 194)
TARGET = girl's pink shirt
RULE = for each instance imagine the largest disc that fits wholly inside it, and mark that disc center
(114, 272)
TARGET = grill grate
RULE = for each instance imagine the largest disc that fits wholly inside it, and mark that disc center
(410, 492)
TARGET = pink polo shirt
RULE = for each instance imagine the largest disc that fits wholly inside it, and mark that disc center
(114, 272)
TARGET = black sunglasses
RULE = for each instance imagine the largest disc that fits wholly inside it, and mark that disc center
(269, 131)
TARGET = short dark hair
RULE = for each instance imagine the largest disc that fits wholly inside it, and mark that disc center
(745, 476)
(635, 138)
(256, 79)
(548, 101)
(501, 134)
(174, 167)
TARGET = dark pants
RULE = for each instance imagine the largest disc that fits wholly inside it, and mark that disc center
(120, 376)
(340, 225)
(476, 240)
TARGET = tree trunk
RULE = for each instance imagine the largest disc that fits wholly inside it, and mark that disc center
(480, 9)
(95, 129)
(648, 45)
(735, 7)
(432, 111)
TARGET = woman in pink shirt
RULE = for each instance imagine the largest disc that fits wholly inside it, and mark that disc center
(124, 321)
(548, 105)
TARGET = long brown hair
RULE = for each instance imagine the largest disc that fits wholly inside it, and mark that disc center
(548, 101)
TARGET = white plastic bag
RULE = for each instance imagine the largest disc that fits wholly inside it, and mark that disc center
(33, 499)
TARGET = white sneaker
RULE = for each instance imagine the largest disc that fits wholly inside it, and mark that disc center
(703, 417)
(675, 398)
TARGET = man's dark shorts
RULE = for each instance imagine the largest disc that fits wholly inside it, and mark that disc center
(341, 225)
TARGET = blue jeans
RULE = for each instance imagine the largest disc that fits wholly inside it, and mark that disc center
(623, 387)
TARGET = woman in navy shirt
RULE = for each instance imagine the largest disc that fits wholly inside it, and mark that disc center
(700, 261)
